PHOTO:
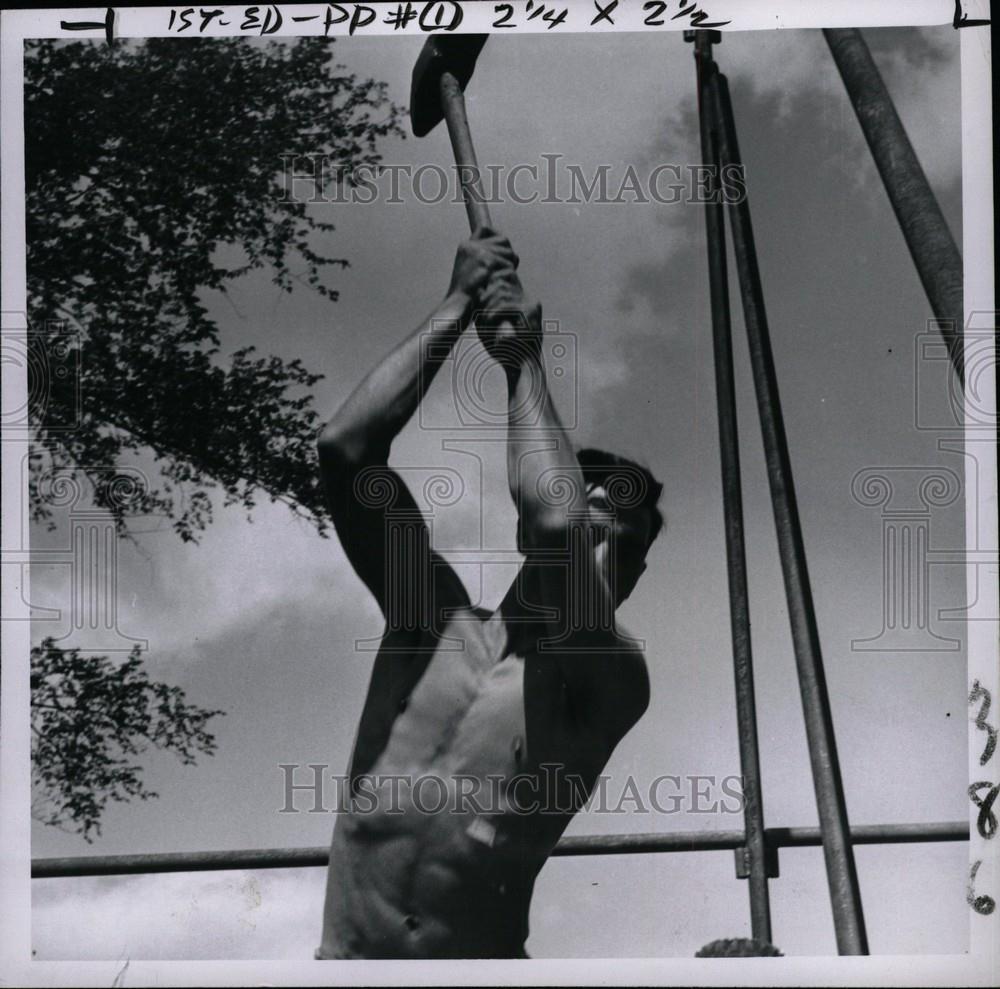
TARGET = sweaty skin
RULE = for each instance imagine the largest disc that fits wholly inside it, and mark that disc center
(479, 738)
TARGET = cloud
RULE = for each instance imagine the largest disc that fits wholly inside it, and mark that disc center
(265, 914)
(920, 67)
(921, 48)
(802, 148)
(181, 596)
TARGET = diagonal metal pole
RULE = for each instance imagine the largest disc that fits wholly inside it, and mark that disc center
(931, 244)
(755, 855)
(845, 894)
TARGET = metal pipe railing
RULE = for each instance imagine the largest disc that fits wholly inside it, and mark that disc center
(845, 892)
(732, 503)
(604, 844)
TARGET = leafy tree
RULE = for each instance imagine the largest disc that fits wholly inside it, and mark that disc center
(89, 717)
(148, 165)
(152, 176)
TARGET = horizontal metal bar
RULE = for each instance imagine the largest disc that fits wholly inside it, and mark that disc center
(874, 834)
(125, 865)
(632, 844)
(598, 844)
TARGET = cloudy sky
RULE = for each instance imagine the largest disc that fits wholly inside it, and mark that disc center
(261, 618)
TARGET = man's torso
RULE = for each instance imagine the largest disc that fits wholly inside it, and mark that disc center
(469, 764)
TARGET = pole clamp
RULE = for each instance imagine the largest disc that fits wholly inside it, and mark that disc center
(742, 855)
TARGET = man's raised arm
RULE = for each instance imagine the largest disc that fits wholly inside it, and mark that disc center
(606, 678)
(544, 476)
(363, 428)
(354, 445)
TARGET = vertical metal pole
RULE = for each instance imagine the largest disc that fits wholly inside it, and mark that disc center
(739, 605)
(931, 244)
(842, 875)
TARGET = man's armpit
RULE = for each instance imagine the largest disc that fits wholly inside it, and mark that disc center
(449, 595)
(611, 689)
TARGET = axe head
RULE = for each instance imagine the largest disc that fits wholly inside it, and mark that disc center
(454, 53)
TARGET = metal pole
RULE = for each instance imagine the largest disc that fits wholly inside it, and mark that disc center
(842, 875)
(597, 844)
(732, 501)
(931, 244)
(874, 834)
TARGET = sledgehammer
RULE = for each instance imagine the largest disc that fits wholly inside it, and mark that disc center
(440, 76)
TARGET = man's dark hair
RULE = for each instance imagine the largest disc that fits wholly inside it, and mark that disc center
(628, 483)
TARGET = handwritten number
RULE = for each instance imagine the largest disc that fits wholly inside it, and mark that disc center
(984, 904)
(700, 19)
(440, 9)
(986, 823)
(656, 9)
(980, 692)
(554, 19)
(504, 19)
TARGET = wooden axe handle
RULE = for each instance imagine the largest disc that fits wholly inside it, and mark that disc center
(453, 106)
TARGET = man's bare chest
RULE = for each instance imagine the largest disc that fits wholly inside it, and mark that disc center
(465, 716)
(471, 706)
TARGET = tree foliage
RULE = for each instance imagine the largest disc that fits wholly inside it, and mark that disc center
(89, 719)
(153, 175)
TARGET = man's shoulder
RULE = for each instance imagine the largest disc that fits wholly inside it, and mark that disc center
(633, 652)
(602, 646)
(632, 674)
(628, 643)
(619, 643)
(621, 675)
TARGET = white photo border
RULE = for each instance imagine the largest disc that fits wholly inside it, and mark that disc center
(977, 967)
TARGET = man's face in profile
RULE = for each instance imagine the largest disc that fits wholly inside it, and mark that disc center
(620, 554)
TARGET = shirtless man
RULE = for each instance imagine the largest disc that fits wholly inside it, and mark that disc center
(463, 696)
